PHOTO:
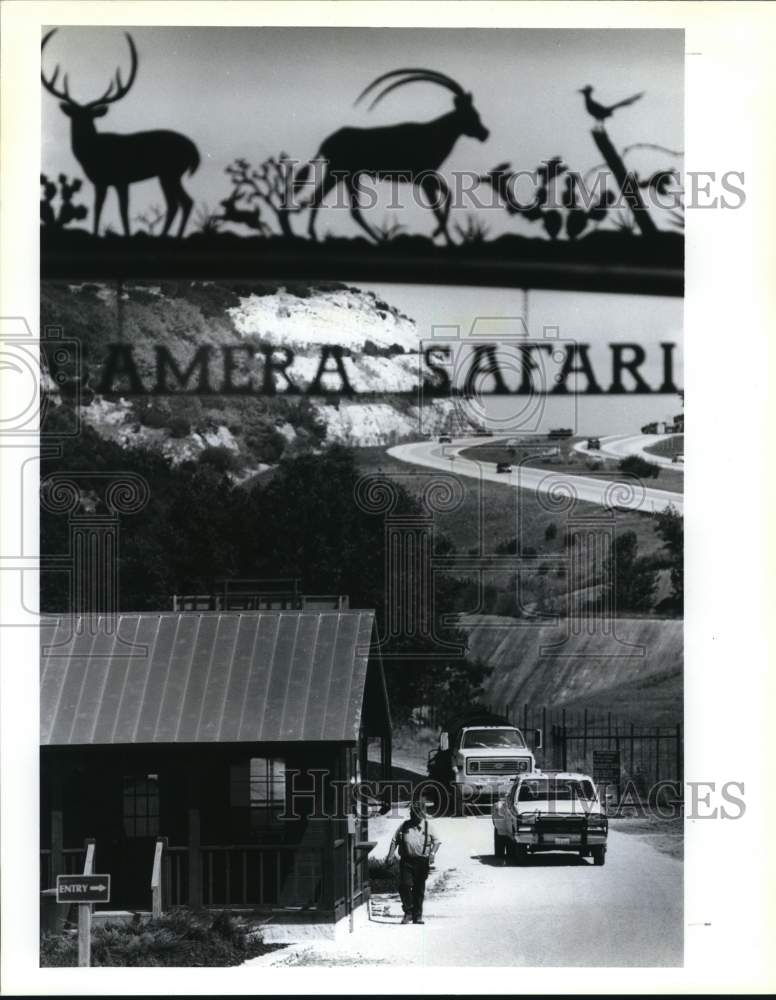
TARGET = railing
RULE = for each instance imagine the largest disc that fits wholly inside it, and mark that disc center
(72, 864)
(175, 874)
(234, 875)
(262, 875)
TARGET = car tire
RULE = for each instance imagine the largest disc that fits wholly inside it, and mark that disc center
(499, 845)
(599, 855)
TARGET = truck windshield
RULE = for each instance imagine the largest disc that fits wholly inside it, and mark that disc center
(549, 790)
(511, 738)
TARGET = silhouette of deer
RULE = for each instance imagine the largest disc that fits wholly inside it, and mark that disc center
(408, 153)
(112, 160)
(250, 217)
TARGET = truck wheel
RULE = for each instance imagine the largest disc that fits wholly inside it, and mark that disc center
(499, 845)
(599, 855)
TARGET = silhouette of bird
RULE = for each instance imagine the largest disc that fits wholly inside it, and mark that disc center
(600, 111)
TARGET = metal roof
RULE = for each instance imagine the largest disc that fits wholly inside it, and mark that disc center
(197, 678)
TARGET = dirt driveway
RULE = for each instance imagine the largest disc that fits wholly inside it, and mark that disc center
(556, 911)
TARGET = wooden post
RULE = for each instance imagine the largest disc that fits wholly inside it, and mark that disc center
(85, 913)
(627, 182)
(84, 935)
(156, 878)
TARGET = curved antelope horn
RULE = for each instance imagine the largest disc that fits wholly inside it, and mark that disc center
(50, 84)
(121, 88)
(409, 76)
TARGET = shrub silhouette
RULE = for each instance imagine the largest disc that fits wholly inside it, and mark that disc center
(58, 216)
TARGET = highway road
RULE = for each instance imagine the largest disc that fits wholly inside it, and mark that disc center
(557, 910)
(621, 445)
(625, 493)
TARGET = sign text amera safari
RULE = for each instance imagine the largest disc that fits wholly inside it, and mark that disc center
(83, 888)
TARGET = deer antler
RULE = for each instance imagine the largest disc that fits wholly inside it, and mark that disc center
(121, 88)
(49, 84)
(410, 76)
(108, 97)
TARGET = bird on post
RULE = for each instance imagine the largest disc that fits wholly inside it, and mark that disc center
(600, 111)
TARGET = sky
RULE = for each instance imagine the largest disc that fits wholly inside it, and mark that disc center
(252, 92)
(593, 318)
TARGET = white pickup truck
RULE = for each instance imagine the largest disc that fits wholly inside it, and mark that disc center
(477, 759)
(554, 811)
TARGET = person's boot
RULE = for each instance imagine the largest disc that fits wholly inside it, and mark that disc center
(406, 919)
(418, 919)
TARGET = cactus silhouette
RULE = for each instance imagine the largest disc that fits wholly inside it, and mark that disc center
(67, 211)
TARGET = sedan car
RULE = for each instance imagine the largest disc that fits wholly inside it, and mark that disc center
(503, 467)
(556, 811)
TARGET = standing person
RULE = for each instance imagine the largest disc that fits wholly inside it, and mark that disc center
(417, 844)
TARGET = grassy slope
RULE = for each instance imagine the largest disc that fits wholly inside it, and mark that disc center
(668, 447)
(497, 512)
(570, 461)
(588, 671)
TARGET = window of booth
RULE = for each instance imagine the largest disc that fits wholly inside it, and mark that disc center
(259, 785)
(140, 811)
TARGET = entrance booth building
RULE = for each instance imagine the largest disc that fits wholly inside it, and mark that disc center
(238, 737)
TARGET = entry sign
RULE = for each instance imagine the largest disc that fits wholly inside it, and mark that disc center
(606, 767)
(83, 888)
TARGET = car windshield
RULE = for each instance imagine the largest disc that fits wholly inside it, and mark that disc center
(493, 738)
(554, 790)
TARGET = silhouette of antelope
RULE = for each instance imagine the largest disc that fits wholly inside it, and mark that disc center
(112, 160)
(409, 153)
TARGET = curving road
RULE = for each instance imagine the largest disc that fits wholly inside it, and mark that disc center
(622, 445)
(555, 485)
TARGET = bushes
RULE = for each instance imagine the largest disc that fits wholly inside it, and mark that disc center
(635, 465)
(383, 877)
(267, 445)
(221, 459)
(179, 427)
(181, 937)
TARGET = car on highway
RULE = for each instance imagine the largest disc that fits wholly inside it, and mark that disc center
(445, 439)
(594, 444)
(550, 811)
(677, 458)
(503, 467)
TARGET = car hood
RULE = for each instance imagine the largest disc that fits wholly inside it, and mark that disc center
(495, 752)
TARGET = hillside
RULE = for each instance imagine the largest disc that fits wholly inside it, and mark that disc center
(586, 671)
(121, 327)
